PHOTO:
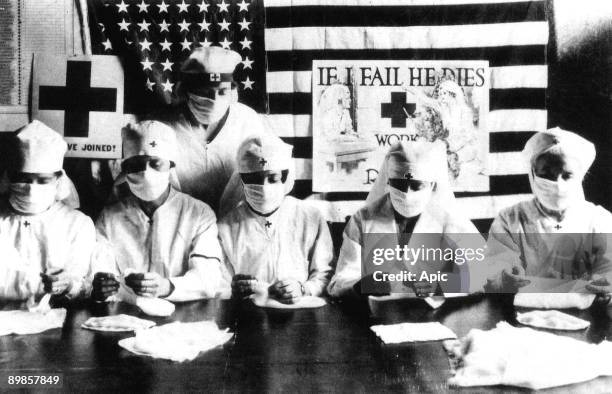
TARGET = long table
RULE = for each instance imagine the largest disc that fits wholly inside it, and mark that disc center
(329, 349)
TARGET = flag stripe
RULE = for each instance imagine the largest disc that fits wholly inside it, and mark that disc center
(405, 3)
(394, 37)
(508, 141)
(509, 55)
(418, 15)
(519, 98)
(500, 121)
(501, 78)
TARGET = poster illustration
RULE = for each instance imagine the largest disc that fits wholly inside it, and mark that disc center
(361, 108)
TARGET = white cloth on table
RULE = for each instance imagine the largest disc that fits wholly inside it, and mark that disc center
(413, 332)
(179, 242)
(304, 302)
(25, 322)
(528, 358)
(553, 320)
(558, 294)
(116, 323)
(177, 341)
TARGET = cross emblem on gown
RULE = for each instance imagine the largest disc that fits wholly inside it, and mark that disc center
(268, 224)
(77, 99)
(397, 110)
(262, 161)
(558, 226)
(26, 223)
(153, 144)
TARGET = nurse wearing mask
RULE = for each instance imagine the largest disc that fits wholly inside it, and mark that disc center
(210, 126)
(524, 240)
(163, 242)
(273, 243)
(411, 195)
(46, 246)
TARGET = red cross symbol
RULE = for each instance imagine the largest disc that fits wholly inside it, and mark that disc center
(215, 77)
(153, 144)
(262, 161)
(268, 224)
(26, 223)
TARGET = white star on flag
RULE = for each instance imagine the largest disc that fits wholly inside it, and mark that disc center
(203, 7)
(244, 6)
(163, 7)
(123, 25)
(182, 7)
(248, 84)
(225, 43)
(145, 44)
(163, 26)
(167, 86)
(167, 65)
(186, 44)
(146, 65)
(223, 6)
(144, 25)
(150, 84)
(246, 43)
(224, 25)
(165, 45)
(204, 25)
(244, 25)
(107, 45)
(122, 7)
(184, 25)
(247, 63)
(143, 7)
(205, 43)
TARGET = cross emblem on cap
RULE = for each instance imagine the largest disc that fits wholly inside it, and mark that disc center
(558, 226)
(268, 224)
(262, 161)
(26, 223)
(153, 144)
(408, 176)
(215, 77)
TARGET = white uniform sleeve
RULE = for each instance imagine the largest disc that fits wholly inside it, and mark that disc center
(104, 259)
(602, 243)
(502, 252)
(203, 278)
(348, 271)
(82, 247)
(16, 281)
(321, 258)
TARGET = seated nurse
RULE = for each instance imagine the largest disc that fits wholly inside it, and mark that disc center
(163, 242)
(557, 233)
(274, 244)
(411, 195)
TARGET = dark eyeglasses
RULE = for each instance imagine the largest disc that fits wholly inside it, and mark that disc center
(412, 184)
(258, 178)
(139, 163)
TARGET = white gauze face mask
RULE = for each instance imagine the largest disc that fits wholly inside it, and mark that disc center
(411, 203)
(32, 198)
(556, 195)
(264, 198)
(148, 185)
(207, 110)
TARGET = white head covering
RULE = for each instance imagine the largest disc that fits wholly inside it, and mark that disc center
(40, 149)
(149, 138)
(571, 144)
(422, 160)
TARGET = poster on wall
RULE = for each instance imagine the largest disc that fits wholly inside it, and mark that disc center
(361, 108)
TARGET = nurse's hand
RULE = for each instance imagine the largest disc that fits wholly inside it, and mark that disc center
(599, 285)
(149, 284)
(287, 291)
(104, 285)
(56, 282)
(513, 279)
(244, 285)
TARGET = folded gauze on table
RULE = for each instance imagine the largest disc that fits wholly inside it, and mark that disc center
(117, 323)
(24, 322)
(263, 301)
(412, 332)
(552, 320)
(550, 293)
(528, 358)
(176, 341)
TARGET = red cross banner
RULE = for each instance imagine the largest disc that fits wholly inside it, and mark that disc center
(82, 98)
(361, 108)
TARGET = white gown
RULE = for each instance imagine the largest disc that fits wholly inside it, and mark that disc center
(378, 217)
(292, 243)
(179, 242)
(59, 238)
(523, 234)
(204, 168)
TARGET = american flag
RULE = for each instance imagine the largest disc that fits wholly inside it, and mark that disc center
(287, 35)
